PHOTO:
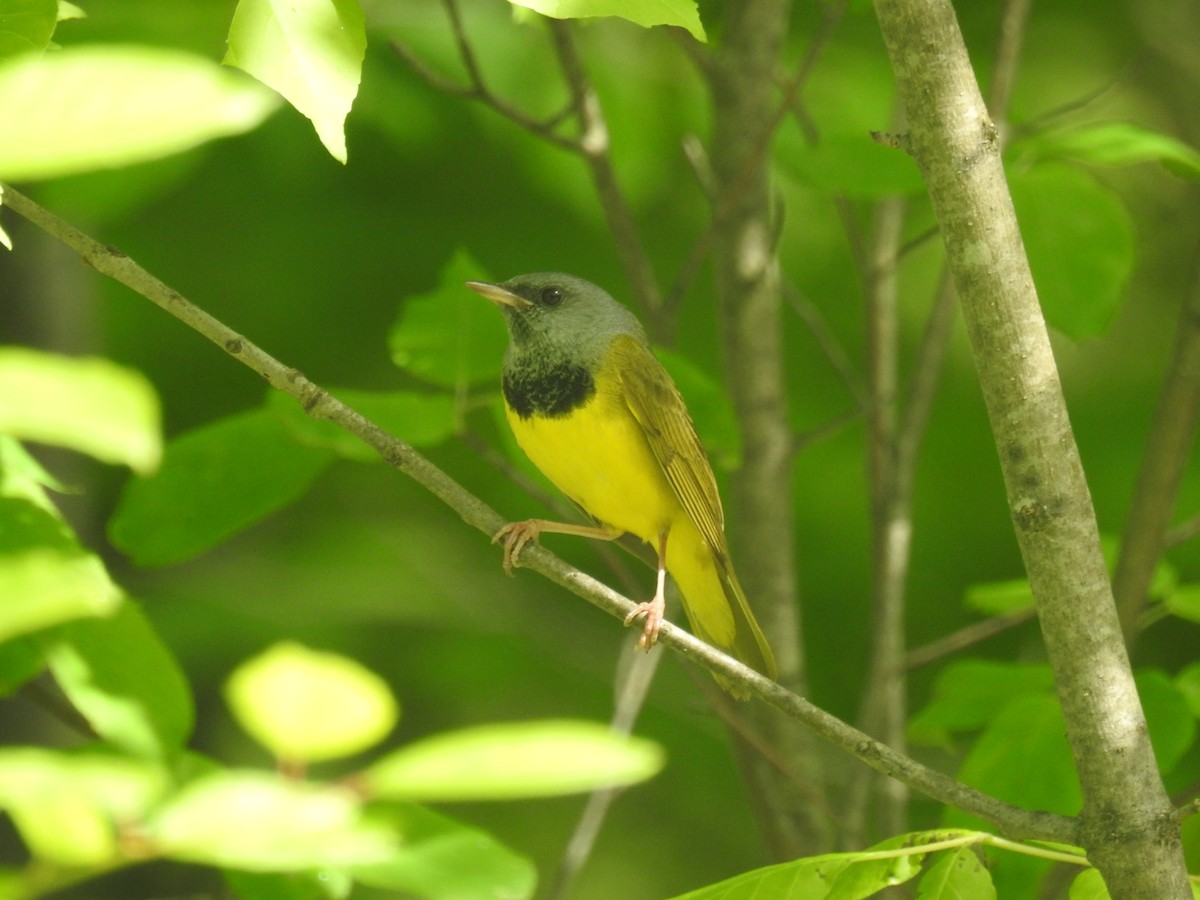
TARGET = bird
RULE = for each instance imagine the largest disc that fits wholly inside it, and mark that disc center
(594, 409)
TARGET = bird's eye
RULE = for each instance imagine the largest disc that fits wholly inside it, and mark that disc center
(551, 296)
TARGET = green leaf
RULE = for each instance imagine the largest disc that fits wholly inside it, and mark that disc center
(957, 874)
(683, 13)
(850, 164)
(1079, 239)
(969, 692)
(507, 761)
(67, 10)
(96, 107)
(306, 706)
(44, 586)
(1188, 682)
(1114, 144)
(23, 477)
(125, 682)
(1023, 758)
(423, 420)
(26, 26)
(1184, 602)
(67, 807)
(865, 876)
(214, 482)
(997, 598)
(88, 404)
(1168, 716)
(310, 51)
(20, 660)
(261, 822)
(445, 859)
(451, 337)
(832, 876)
(1089, 885)
(710, 409)
(322, 884)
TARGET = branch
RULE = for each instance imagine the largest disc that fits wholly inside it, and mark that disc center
(477, 89)
(1127, 822)
(1012, 821)
(591, 145)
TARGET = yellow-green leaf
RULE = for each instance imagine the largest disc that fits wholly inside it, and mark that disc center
(310, 51)
(306, 706)
(88, 404)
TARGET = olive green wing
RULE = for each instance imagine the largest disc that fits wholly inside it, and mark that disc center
(657, 405)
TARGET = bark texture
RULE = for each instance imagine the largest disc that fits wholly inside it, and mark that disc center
(1127, 824)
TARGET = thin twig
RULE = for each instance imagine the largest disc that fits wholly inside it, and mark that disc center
(725, 204)
(967, 636)
(318, 403)
(594, 145)
(477, 88)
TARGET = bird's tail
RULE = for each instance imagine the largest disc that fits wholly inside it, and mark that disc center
(745, 640)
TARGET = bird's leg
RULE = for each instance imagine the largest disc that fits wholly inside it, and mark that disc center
(654, 609)
(515, 535)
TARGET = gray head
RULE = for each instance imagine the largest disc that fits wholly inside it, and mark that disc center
(559, 315)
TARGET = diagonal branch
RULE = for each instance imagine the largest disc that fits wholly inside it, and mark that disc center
(1011, 821)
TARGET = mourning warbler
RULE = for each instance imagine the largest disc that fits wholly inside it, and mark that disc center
(599, 415)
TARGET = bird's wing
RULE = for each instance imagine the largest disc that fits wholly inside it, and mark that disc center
(655, 402)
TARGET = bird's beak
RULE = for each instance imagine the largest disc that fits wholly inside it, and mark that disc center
(498, 295)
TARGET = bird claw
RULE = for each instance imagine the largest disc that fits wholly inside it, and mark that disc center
(514, 536)
(652, 614)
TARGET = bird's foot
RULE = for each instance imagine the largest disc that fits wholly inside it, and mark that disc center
(651, 612)
(514, 536)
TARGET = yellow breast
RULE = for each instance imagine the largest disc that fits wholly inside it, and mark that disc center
(598, 456)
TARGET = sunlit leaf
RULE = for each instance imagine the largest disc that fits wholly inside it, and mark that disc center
(443, 858)
(1079, 239)
(307, 706)
(86, 108)
(682, 13)
(262, 822)
(44, 586)
(214, 482)
(24, 478)
(67, 807)
(451, 336)
(88, 404)
(1089, 885)
(528, 759)
(310, 51)
(67, 10)
(832, 876)
(118, 674)
(957, 874)
(26, 25)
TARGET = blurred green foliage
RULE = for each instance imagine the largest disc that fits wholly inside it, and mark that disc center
(263, 526)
